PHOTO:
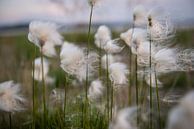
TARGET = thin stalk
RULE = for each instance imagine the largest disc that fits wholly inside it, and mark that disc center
(33, 90)
(136, 86)
(87, 70)
(100, 63)
(130, 80)
(44, 91)
(10, 120)
(65, 100)
(130, 66)
(108, 88)
(112, 100)
(158, 98)
(150, 65)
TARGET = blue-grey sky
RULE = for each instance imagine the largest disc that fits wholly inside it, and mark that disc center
(77, 11)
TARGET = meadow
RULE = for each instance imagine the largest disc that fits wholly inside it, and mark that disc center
(16, 56)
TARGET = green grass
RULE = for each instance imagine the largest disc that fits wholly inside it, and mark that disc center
(16, 55)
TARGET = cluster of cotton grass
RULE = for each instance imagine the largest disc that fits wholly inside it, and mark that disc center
(11, 100)
(151, 41)
(105, 73)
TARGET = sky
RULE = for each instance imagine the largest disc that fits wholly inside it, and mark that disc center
(16, 12)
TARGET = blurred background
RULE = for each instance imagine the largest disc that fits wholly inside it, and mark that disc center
(73, 15)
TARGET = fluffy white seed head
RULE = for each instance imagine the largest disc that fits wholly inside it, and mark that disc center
(45, 34)
(125, 119)
(74, 61)
(96, 90)
(139, 15)
(160, 29)
(118, 73)
(187, 102)
(185, 59)
(136, 34)
(180, 118)
(102, 36)
(113, 47)
(10, 98)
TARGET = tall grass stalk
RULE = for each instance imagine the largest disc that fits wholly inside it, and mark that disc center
(43, 91)
(10, 120)
(112, 101)
(33, 90)
(158, 98)
(87, 70)
(65, 100)
(100, 62)
(150, 65)
(108, 88)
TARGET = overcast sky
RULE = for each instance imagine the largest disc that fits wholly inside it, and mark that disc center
(77, 11)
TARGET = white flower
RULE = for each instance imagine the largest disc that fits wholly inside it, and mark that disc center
(45, 34)
(182, 116)
(95, 90)
(102, 36)
(187, 102)
(38, 71)
(160, 29)
(185, 59)
(125, 119)
(110, 58)
(131, 35)
(139, 15)
(10, 99)
(112, 47)
(118, 73)
(74, 61)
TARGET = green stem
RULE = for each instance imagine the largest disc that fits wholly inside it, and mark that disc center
(158, 98)
(44, 91)
(10, 121)
(65, 100)
(33, 90)
(112, 100)
(87, 70)
(150, 65)
(107, 82)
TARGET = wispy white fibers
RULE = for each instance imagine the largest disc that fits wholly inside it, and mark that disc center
(185, 59)
(139, 35)
(10, 98)
(38, 71)
(125, 119)
(96, 90)
(73, 61)
(182, 116)
(110, 58)
(45, 34)
(103, 40)
(139, 15)
(102, 36)
(161, 29)
(118, 73)
(163, 60)
(113, 47)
